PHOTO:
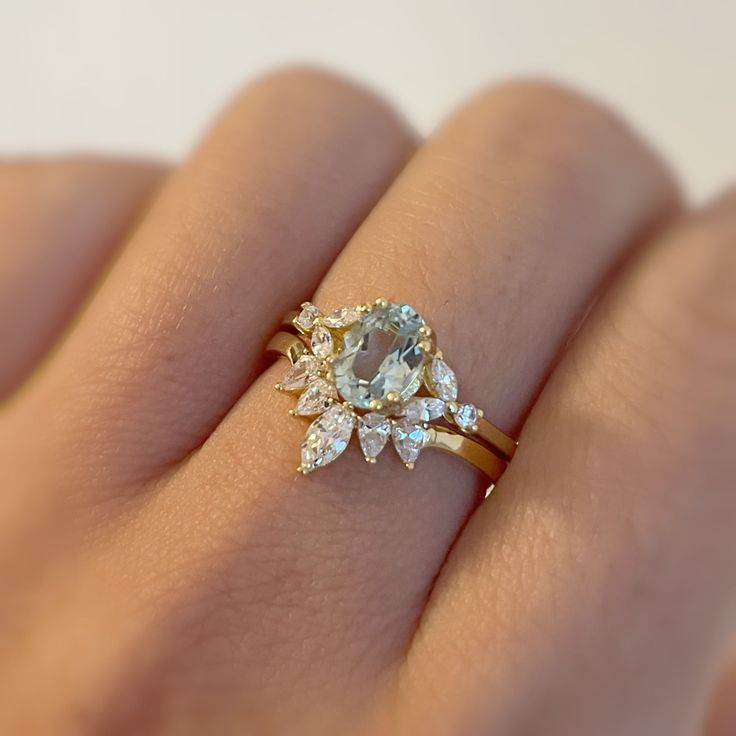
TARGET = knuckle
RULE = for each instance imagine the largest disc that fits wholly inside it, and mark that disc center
(318, 93)
(552, 118)
(700, 288)
(566, 134)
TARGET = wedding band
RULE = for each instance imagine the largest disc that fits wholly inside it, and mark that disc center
(376, 368)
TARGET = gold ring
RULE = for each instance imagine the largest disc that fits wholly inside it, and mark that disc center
(377, 368)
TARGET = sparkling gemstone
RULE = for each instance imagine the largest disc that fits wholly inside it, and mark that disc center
(424, 409)
(341, 317)
(380, 355)
(408, 439)
(373, 432)
(466, 417)
(444, 383)
(321, 342)
(327, 437)
(299, 373)
(306, 317)
(317, 397)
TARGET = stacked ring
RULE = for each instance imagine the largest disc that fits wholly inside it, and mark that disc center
(377, 368)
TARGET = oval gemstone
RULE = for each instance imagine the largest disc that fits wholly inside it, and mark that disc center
(380, 355)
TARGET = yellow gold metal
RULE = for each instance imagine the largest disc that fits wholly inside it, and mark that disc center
(499, 441)
(490, 459)
(469, 450)
(287, 345)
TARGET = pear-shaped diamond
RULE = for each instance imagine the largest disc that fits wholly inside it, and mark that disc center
(466, 417)
(373, 432)
(298, 374)
(306, 317)
(444, 383)
(409, 438)
(321, 342)
(424, 409)
(327, 438)
(317, 398)
(341, 317)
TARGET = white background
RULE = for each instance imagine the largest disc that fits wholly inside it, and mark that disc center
(145, 77)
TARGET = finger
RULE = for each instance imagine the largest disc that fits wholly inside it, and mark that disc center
(596, 592)
(721, 720)
(60, 221)
(478, 233)
(254, 219)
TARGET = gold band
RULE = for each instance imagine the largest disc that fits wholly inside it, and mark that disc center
(491, 460)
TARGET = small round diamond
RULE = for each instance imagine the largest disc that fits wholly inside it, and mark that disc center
(466, 417)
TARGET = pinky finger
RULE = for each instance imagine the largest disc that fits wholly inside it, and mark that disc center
(60, 221)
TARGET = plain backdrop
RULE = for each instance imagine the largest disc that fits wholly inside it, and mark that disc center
(145, 76)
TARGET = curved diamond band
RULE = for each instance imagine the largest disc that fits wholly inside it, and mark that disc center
(376, 368)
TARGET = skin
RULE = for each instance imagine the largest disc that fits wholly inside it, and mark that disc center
(162, 567)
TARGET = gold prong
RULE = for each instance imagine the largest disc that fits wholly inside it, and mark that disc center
(292, 412)
(425, 346)
(439, 354)
(278, 387)
(481, 413)
(392, 397)
(375, 405)
(425, 331)
(381, 302)
(452, 406)
(371, 460)
(409, 466)
(474, 428)
(365, 308)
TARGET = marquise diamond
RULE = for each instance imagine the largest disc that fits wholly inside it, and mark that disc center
(424, 409)
(444, 383)
(321, 342)
(341, 317)
(327, 438)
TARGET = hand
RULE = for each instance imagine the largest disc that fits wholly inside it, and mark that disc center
(163, 568)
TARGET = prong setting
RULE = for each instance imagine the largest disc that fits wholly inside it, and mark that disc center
(402, 404)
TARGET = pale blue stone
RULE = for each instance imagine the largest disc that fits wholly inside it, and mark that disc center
(380, 355)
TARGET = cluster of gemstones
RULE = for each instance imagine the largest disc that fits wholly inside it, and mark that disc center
(381, 405)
